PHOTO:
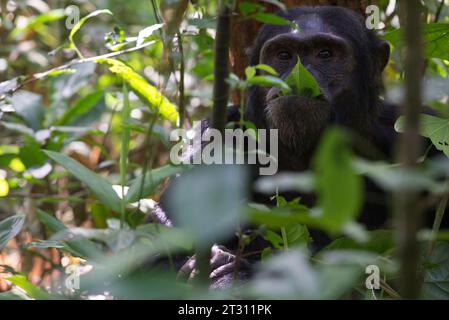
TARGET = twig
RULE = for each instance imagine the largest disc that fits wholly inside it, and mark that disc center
(42, 75)
(181, 102)
(437, 221)
(439, 10)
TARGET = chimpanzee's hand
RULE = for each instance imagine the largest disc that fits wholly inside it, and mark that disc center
(223, 264)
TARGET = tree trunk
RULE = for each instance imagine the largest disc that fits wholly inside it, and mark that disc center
(409, 204)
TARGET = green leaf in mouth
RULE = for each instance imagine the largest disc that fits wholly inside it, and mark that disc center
(301, 82)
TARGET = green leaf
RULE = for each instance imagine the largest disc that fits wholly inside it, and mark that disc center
(147, 32)
(146, 92)
(248, 8)
(280, 217)
(338, 186)
(434, 128)
(206, 202)
(379, 241)
(82, 21)
(286, 276)
(34, 292)
(268, 69)
(151, 180)
(436, 274)
(436, 39)
(250, 72)
(296, 233)
(270, 18)
(301, 82)
(81, 107)
(37, 21)
(97, 184)
(173, 237)
(79, 247)
(28, 105)
(14, 294)
(10, 227)
(269, 81)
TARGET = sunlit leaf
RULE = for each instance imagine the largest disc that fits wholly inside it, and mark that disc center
(34, 292)
(146, 92)
(148, 31)
(4, 188)
(35, 22)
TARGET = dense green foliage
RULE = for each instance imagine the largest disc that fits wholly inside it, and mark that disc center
(85, 118)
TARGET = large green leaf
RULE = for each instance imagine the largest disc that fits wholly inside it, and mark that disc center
(436, 37)
(301, 82)
(206, 201)
(434, 128)
(97, 184)
(146, 92)
(31, 290)
(80, 247)
(379, 241)
(28, 105)
(436, 274)
(9, 228)
(338, 186)
(140, 189)
(35, 22)
(82, 106)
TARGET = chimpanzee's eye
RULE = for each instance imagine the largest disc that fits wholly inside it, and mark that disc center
(324, 54)
(284, 55)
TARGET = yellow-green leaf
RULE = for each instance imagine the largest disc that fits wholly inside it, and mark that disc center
(146, 92)
(4, 188)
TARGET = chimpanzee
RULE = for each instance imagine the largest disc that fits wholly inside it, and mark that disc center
(347, 61)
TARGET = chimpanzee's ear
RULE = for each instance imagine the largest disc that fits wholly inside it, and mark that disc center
(383, 54)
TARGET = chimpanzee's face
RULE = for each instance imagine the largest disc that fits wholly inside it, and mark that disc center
(328, 57)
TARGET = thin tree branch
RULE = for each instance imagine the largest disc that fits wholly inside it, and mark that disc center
(42, 75)
(221, 68)
(408, 205)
